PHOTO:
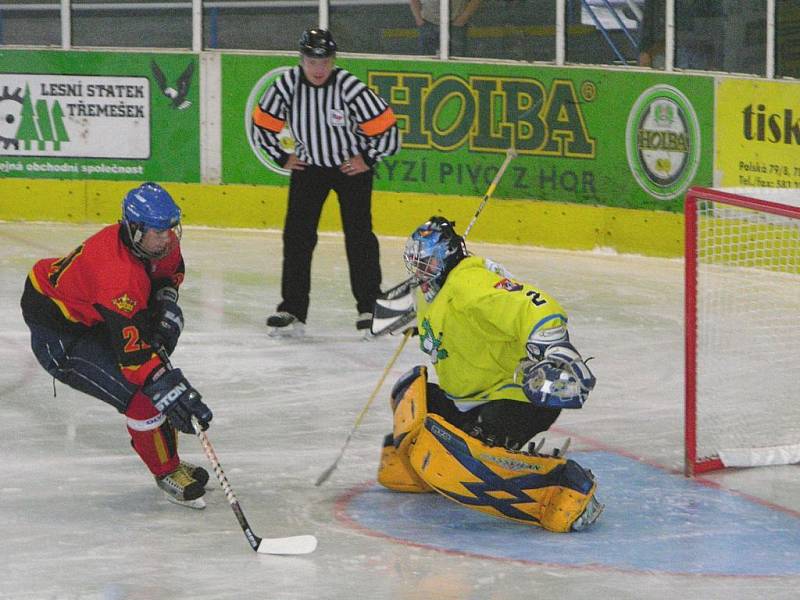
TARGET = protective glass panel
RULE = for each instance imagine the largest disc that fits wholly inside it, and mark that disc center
(35, 23)
(377, 27)
(269, 25)
(652, 34)
(604, 31)
(512, 29)
(721, 36)
(139, 24)
(787, 38)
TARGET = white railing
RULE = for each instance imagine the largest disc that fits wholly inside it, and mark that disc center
(67, 8)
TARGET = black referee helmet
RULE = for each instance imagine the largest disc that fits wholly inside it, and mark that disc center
(317, 43)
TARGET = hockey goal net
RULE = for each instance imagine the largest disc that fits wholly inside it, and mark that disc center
(742, 331)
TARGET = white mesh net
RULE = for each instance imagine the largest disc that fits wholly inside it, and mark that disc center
(748, 334)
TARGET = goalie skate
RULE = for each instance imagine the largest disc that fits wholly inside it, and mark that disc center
(590, 514)
(284, 324)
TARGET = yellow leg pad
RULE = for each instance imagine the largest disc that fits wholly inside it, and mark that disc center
(565, 506)
(410, 409)
(396, 474)
(511, 485)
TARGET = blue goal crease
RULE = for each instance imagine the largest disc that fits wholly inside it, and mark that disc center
(654, 521)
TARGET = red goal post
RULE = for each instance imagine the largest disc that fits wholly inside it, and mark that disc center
(742, 330)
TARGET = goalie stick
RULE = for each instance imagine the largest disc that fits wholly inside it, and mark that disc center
(510, 155)
(327, 472)
(297, 544)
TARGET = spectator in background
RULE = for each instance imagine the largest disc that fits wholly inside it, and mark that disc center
(426, 16)
(651, 40)
(696, 31)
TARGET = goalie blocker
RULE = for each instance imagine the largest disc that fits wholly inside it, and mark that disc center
(425, 452)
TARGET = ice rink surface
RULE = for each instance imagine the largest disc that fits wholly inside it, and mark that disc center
(81, 518)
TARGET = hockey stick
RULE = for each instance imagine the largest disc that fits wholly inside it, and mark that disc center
(327, 472)
(298, 544)
(510, 155)
(393, 307)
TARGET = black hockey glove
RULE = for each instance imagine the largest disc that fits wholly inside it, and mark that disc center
(165, 292)
(167, 326)
(172, 395)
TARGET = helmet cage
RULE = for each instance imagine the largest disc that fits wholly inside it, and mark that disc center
(431, 253)
(150, 207)
(136, 233)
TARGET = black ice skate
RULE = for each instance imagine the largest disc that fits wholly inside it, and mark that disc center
(180, 487)
(197, 473)
(364, 324)
(284, 324)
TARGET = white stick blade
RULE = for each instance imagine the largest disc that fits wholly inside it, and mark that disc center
(298, 544)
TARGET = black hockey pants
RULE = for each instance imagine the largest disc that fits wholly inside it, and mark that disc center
(507, 423)
(85, 362)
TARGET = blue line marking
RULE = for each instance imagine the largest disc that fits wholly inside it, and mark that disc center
(653, 521)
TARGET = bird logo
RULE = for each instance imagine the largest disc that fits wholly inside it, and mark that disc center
(178, 93)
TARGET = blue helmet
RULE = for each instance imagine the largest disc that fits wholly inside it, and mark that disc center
(431, 253)
(149, 206)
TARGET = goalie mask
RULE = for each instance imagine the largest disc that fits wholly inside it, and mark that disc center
(431, 253)
(150, 208)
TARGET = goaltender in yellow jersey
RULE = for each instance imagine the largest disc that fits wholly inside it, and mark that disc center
(475, 330)
(505, 368)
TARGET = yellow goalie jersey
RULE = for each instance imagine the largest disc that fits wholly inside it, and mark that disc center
(475, 331)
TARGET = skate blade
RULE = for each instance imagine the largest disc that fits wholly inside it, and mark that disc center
(197, 503)
(290, 331)
(562, 452)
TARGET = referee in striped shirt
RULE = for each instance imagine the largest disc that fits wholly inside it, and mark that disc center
(341, 129)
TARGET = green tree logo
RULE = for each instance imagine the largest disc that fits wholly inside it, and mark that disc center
(40, 124)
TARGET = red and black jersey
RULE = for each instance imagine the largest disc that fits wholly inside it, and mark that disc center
(102, 283)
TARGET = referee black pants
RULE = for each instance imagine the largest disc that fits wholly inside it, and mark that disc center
(308, 190)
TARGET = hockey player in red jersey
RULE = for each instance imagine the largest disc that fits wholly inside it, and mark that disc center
(98, 314)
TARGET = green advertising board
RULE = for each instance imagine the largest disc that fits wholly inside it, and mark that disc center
(99, 115)
(590, 136)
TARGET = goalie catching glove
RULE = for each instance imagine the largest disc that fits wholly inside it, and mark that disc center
(174, 396)
(560, 379)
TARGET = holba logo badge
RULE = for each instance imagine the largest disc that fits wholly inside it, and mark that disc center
(285, 136)
(662, 140)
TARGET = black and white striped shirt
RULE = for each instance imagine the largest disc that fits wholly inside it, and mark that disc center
(330, 123)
